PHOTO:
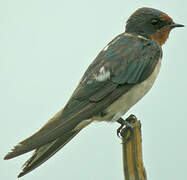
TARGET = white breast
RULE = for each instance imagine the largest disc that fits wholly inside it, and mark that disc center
(124, 103)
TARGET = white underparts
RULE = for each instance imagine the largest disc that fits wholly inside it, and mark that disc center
(116, 117)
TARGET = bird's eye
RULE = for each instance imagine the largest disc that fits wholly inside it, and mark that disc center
(154, 21)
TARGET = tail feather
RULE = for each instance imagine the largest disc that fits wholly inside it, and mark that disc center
(34, 141)
(43, 153)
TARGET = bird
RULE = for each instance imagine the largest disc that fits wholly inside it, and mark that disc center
(120, 75)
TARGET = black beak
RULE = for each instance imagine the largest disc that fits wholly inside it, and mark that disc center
(174, 25)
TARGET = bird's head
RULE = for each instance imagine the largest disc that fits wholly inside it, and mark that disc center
(151, 23)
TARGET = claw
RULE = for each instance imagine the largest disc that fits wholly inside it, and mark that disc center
(122, 122)
(128, 123)
(124, 133)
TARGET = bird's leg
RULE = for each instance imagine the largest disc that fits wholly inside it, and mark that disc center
(128, 123)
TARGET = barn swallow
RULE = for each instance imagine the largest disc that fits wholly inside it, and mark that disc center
(122, 73)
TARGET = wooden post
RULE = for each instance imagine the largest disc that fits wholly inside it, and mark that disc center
(132, 151)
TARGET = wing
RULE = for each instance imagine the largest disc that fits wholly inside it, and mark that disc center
(124, 62)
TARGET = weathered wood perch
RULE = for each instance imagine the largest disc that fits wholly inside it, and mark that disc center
(132, 151)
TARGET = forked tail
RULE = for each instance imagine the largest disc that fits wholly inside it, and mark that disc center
(43, 153)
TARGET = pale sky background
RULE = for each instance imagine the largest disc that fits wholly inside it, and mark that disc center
(45, 48)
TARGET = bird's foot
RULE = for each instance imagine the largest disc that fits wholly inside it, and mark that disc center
(128, 123)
